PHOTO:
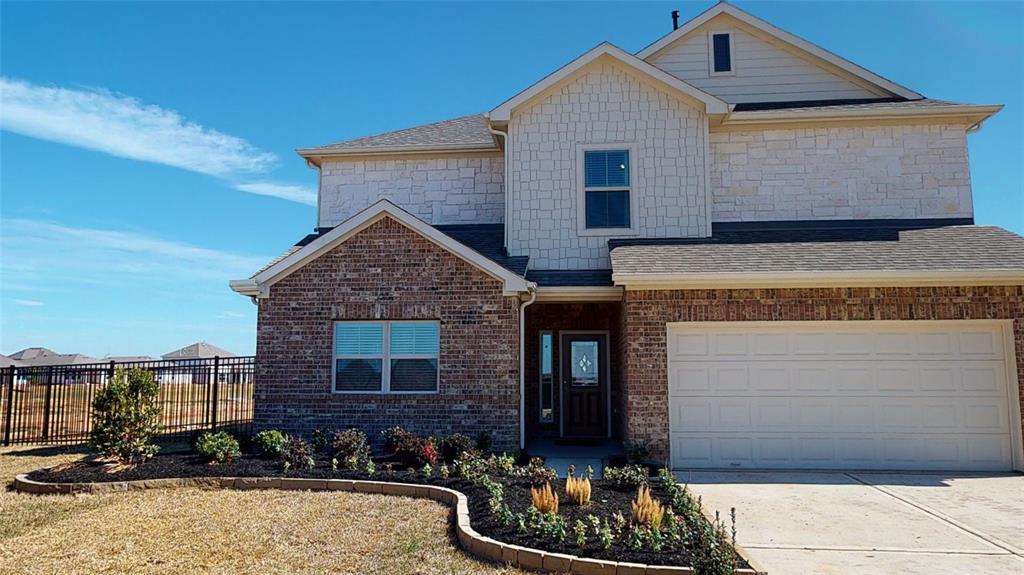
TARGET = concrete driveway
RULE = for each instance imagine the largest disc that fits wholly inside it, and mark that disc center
(870, 522)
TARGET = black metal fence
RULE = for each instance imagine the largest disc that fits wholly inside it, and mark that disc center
(53, 404)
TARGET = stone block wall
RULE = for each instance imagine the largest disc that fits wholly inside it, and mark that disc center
(918, 171)
(439, 190)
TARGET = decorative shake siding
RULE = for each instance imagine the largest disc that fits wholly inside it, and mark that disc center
(918, 171)
(763, 72)
(604, 105)
(645, 313)
(438, 190)
(389, 272)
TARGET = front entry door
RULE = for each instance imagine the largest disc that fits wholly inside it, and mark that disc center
(584, 385)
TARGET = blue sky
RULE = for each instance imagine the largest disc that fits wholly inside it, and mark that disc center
(140, 140)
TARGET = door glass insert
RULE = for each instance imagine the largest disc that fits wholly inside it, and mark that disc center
(584, 363)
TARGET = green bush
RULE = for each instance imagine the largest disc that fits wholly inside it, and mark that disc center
(126, 416)
(626, 478)
(217, 447)
(350, 447)
(297, 453)
(270, 442)
(453, 446)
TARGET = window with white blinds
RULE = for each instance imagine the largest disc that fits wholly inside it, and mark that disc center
(386, 356)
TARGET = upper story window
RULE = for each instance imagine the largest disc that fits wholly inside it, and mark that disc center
(386, 356)
(720, 54)
(606, 188)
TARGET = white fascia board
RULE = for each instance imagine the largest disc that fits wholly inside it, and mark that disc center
(712, 104)
(783, 36)
(866, 278)
(247, 287)
(974, 114)
(513, 284)
(583, 293)
(316, 153)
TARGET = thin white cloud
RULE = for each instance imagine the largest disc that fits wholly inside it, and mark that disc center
(230, 315)
(28, 302)
(291, 192)
(125, 127)
(41, 253)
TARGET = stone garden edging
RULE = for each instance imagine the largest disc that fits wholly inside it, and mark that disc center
(471, 541)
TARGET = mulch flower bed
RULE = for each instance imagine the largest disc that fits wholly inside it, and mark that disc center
(606, 500)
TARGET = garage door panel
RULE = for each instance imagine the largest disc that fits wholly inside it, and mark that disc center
(902, 395)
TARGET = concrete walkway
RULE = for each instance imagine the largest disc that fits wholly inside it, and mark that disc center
(873, 523)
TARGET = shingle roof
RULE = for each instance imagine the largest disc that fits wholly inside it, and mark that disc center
(951, 248)
(487, 239)
(6, 361)
(197, 350)
(570, 278)
(466, 132)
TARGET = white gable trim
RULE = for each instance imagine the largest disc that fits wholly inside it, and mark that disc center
(712, 104)
(260, 285)
(783, 36)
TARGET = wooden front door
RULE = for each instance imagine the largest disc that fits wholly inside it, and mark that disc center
(584, 359)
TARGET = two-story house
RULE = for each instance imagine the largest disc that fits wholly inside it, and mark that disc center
(734, 246)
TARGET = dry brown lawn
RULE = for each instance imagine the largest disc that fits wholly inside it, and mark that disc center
(198, 531)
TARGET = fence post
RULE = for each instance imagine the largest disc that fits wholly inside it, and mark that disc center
(46, 403)
(9, 411)
(110, 372)
(216, 389)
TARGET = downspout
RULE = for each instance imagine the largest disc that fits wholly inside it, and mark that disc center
(505, 182)
(522, 364)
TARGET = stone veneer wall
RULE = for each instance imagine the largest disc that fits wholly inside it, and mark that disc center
(645, 314)
(389, 272)
(604, 105)
(439, 190)
(918, 171)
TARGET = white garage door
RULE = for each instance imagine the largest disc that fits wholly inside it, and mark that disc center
(838, 395)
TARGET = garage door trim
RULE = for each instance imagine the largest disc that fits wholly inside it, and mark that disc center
(1003, 326)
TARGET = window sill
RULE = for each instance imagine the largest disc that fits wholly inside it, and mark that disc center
(608, 232)
(384, 393)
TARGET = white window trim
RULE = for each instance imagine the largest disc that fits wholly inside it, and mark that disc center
(581, 196)
(711, 53)
(385, 357)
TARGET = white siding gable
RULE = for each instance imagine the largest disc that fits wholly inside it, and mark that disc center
(763, 71)
(604, 104)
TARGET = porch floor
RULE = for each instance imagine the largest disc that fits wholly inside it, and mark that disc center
(560, 454)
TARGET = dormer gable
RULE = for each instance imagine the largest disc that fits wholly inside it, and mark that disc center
(740, 58)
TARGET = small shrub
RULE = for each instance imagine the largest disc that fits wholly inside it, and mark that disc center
(322, 438)
(217, 447)
(713, 552)
(551, 526)
(470, 466)
(297, 453)
(370, 468)
(588, 473)
(270, 442)
(635, 538)
(484, 441)
(577, 490)
(605, 535)
(535, 472)
(544, 499)
(454, 445)
(427, 471)
(350, 444)
(626, 478)
(126, 416)
(501, 464)
(391, 436)
(444, 471)
(666, 480)
(647, 511)
(636, 452)
(579, 531)
(410, 449)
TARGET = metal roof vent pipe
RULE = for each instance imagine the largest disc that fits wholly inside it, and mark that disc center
(675, 19)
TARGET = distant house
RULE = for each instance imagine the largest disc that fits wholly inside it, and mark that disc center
(41, 356)
(128, 358)
(198, 350)
(8, 361)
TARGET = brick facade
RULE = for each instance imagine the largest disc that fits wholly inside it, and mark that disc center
(387, 271)
(645, 313)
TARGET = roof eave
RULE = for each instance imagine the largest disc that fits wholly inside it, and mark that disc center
(321, 153)
(972, 115)
(798, 279)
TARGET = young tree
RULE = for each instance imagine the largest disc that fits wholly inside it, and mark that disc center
(126, 416)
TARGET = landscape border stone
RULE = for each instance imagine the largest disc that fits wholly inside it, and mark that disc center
(470, 541)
